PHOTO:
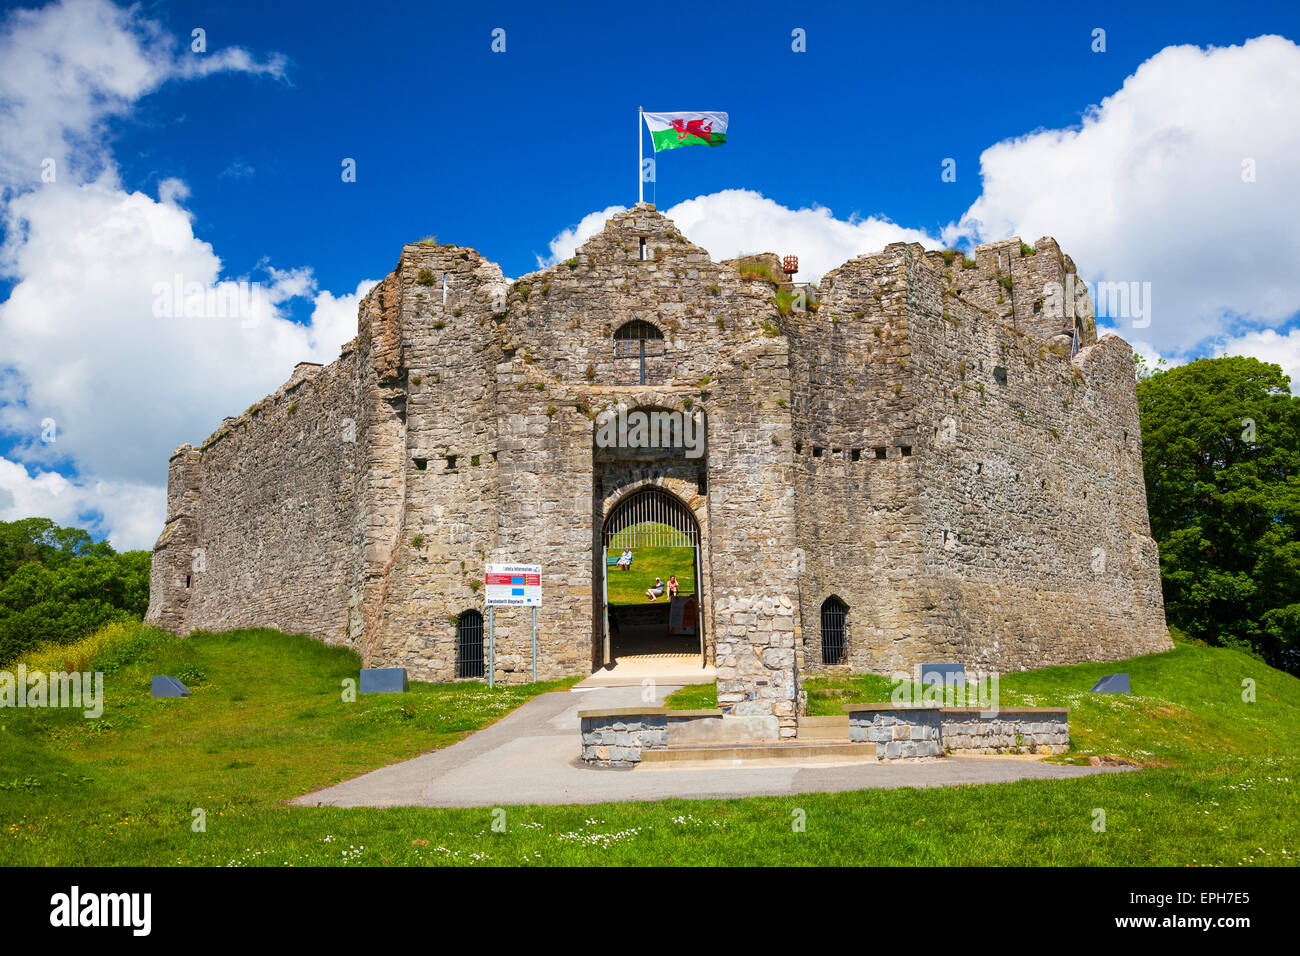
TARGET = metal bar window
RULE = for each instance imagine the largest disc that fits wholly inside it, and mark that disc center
(834, 645)
(469, 644)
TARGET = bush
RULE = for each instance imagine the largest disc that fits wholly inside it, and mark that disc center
(59, 586)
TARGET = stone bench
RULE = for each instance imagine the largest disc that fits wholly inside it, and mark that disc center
(904, 731)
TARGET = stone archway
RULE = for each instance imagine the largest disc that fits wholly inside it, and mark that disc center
(652, 516)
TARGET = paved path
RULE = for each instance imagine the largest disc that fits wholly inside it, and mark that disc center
(530, 756)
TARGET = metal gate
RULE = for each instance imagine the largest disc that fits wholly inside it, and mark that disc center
(651, 519)
(469, 644)
(834, 612)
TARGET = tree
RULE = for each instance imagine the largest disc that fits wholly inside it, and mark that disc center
(1221, 457)
(59, 584)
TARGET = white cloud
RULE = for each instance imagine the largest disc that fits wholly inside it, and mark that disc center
(1149, 188)
(123, 384)
(68, 68)
(83, 340)
(737, 222)
(568, 240)
(1268, 346)
(129, 514)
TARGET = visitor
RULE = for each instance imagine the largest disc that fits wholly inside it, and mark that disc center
(654, 592)
(672, 586)
(625, 560)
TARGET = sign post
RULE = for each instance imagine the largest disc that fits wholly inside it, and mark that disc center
(512, 585)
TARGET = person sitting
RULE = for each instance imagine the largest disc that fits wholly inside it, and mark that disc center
(625, 560)
(672, 586)
(653, 593)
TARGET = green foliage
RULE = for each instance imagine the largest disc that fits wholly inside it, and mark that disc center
(424, 277)
(1026, 249)
(784, 301)
(40, 539)
(1221, 456)
(58, 585)
(755, 269)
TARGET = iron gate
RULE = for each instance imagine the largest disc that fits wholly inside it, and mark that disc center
(469, 644)
(651, 518)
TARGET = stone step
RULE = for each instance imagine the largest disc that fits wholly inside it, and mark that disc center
(824, 728)
(791, 751)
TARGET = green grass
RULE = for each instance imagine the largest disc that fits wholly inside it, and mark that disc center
(268, 724)
(1186, 705)
(693, 697)
(629, 587)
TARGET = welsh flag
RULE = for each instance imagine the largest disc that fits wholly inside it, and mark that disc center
(670, 130)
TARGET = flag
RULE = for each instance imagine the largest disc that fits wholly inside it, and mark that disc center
(670, 130)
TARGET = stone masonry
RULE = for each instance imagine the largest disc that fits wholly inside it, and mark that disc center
(924, 443)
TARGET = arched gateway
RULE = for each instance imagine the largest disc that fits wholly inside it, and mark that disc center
(661, 535)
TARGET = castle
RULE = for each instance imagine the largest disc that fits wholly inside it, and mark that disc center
(933, 459)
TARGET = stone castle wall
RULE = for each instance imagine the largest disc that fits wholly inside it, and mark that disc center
(863, 449)
(1006, 525)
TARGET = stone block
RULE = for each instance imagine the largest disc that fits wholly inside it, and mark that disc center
(384, 680)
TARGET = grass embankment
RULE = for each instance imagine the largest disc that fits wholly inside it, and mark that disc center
(268, 723)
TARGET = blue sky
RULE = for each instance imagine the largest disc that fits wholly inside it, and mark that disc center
(500, 151)
(225, 165)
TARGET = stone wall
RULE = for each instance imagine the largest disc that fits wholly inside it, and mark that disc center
(910, 732)
(263, 511)
(1006, 526)
(615, 738)
(898, 733)
(1041, 730)
(916, 446)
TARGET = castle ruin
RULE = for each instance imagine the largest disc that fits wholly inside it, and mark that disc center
(930, 461)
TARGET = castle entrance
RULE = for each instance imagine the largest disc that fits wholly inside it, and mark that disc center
(651, 549)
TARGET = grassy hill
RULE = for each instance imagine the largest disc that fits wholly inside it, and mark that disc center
(267, 722)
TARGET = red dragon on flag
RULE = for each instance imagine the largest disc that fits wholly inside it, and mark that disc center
(695, 127)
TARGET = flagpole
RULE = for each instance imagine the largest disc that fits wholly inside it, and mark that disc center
(640, 138)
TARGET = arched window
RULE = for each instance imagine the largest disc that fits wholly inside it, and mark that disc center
(834, 644)
(469, 644)
(636, 339)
